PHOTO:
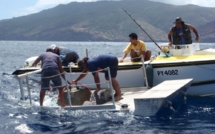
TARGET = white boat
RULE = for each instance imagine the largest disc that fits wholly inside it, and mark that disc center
(138, 100)
(184, 63)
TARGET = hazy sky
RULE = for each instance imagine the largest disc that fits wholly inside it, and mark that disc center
(13, 8)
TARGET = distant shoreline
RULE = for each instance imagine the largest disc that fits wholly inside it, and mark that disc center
(93, 41)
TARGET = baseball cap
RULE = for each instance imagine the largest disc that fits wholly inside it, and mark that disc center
(52, 46)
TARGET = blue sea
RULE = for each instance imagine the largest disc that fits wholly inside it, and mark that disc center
(196, 116)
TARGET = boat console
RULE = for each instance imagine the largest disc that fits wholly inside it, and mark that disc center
(179, 50)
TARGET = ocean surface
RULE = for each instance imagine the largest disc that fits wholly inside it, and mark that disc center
(196, 116)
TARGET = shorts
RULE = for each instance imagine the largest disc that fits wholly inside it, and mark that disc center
(50, 74)
(137, 59)
(113, 69)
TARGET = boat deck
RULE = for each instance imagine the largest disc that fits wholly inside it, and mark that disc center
(140, 100)
(128, 97)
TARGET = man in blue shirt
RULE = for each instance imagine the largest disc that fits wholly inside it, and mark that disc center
(98, 63)
(65, 54)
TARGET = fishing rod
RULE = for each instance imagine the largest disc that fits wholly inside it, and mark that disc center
(143, 30)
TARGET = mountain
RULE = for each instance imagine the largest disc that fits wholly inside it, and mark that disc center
(103, 21)
(207, 32)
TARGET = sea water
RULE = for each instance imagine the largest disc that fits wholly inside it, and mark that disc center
(197, 115)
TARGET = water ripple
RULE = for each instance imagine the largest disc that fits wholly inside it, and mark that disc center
(17, 116)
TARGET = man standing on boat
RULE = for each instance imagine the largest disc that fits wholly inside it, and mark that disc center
(181, 33)
(97, 64)
(137, 49)
(65, 54)
(51, 70)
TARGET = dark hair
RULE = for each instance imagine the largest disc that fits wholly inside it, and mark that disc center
(133, 36)
(58, 51)
(82, 62)
(49, 50)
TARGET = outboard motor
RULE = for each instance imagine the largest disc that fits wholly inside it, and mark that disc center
(30, 61)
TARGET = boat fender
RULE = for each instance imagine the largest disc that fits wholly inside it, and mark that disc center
(149, 73)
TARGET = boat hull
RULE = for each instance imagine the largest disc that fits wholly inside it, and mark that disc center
(199, 67)
(203, 78)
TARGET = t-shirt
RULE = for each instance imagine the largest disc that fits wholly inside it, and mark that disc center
(65, 51)
(181, 32)
(100, 61)
(49, 60)
(140, 47)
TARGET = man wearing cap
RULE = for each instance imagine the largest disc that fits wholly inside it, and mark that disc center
(181, 33)
(97, 63)
(137, 49)
(65, 54)
(51, 70)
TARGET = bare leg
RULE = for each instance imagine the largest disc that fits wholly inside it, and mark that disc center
(116, 88)
(147, 55)
(133, 55)
(61, 94)
(42, 95)
(50, 89)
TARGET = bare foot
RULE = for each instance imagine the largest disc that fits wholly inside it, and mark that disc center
(118, 98)
(64, 105)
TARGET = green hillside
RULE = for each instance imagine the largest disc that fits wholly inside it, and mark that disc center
(103, 21)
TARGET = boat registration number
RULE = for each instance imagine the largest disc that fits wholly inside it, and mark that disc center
(167, 72)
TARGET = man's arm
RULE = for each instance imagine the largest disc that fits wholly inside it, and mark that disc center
(143, 53)
(195, 31)
(123, 57)
(97, 80)
(60, 68)
(170, 37)
(80, 77)
(36, 62)
(126, 51)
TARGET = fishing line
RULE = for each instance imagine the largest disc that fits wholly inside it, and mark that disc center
(144, 30)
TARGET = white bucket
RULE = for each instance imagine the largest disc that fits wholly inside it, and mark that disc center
(188, 50)
(177, 52)
(196, 45)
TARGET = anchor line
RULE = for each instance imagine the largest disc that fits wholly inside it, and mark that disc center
(143, 30)
(68, 73)
(84, 85)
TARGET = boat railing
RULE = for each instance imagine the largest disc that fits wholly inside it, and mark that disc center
(180, 50)
(25, 77)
